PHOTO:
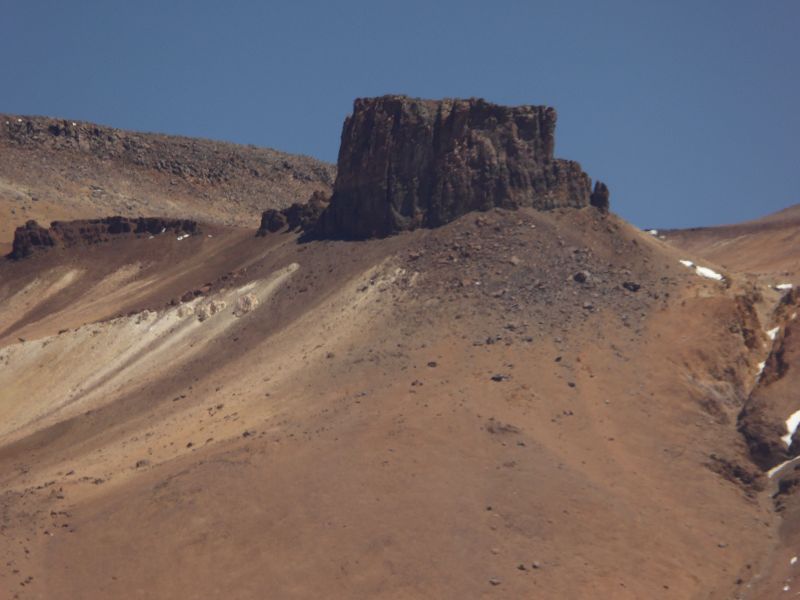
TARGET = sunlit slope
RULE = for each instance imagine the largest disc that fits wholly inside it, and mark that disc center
(516, 404)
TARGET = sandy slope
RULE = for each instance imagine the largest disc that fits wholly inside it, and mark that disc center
(767, 250)
(767, 246)
(441, 414)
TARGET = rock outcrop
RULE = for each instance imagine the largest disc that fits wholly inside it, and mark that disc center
(762, 421)
(406, 163)
(303, 216)
(600, 197)
(32, 236)
(28, 238)
(63, 169)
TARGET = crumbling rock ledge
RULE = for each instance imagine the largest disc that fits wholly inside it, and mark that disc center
(406, 163)
(32, 237)
(298, 216)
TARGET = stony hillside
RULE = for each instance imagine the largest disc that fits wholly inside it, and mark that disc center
(533, 399)
(52, 169)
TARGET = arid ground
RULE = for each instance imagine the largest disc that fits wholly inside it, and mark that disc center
(518, 404)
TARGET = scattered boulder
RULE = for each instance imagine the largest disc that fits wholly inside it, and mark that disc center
(209, 309)
(272, 220)
(299, 216)
(631, 286)
(245, 304)
(582, 277)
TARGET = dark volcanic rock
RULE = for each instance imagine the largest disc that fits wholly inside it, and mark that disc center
(272, 220)
(406, 163)
(297, 216)
(91, 231)
(27, 238)
(600, 197)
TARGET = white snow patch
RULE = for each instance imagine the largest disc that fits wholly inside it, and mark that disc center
(702, 271)
(710, 274)
(182, 237)
(793, 560)
(783, 286)
(761, 366)
(776, 468)
(772, 333)
(791, 426)
(163, 229)
(652, 231)
(786, 588)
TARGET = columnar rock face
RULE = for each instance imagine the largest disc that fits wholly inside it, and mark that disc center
(406, 163)
(32, 236)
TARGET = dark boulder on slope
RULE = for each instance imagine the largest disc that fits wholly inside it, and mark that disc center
(406, 163)
(29, 237)
(303, 216)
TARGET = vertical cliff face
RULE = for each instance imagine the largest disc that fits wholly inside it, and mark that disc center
(406, 163)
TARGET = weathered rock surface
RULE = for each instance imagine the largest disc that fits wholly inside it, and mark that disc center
(302, 216)
(406, 163)
(32, 236)
(774, 398)
(600, 197)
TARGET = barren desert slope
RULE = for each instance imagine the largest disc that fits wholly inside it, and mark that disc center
(54, 169)
(516, 404)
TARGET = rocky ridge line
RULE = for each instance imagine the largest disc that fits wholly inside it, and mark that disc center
(192, 159)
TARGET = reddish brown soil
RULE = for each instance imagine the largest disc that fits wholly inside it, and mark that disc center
(518, 404)
(767, 246)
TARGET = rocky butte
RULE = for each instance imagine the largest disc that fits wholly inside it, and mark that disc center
(406, 163)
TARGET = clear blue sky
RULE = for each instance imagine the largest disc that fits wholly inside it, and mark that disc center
(689, 110)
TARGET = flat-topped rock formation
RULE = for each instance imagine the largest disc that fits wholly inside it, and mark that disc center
(406, 163)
